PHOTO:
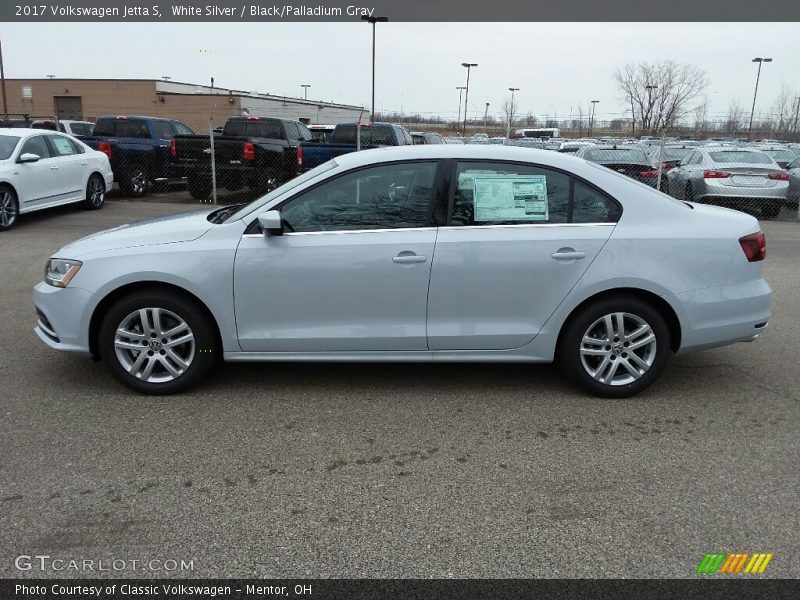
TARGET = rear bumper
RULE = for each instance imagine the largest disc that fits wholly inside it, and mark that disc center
(724, 315)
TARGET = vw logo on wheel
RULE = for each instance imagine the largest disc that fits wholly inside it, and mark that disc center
(154, 345)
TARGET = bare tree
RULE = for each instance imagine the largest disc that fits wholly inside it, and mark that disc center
(701, 117)
(507, 110)
(736, 115)
(783, 112)
(660, 94)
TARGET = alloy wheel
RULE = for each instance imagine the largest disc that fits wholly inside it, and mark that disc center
(97, 192)
(154, 345)
(8, 209)
(618, 348)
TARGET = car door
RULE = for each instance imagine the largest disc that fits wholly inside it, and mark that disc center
(37, 182)
(518, 240)
(350, 273)
(73, 166)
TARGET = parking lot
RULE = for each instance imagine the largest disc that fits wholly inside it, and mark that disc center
(289, 470)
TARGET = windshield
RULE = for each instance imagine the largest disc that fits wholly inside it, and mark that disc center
(7, 145)
(740, 156)
(81, 128)
(280, 190)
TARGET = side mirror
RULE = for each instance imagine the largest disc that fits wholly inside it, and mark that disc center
(271, 223)
(28, 158)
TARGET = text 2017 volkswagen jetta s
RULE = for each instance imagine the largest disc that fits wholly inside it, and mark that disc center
(427, 253)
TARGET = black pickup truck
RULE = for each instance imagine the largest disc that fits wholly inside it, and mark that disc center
(255, 152)
(138, 148)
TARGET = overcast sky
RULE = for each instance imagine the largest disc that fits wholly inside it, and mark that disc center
(557, 66)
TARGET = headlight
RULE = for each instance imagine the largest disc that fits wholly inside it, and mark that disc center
(60, 271)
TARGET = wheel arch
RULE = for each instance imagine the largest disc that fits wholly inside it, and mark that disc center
(9, 185)
(102, 308)
(659, 303)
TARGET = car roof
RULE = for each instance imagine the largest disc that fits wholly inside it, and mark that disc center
(16, 131)
(459, 151)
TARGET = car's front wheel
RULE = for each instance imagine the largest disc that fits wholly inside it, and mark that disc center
(95, 193)
(615, 347)
(157, 342)
(9, 208)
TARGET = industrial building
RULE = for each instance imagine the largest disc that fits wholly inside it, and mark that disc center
(195, 105)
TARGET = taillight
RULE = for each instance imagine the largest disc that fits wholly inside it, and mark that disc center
(299, 156)
(667, 166)
(779, 176)
(649, 174)
(754, 246)
(173, 149)
(715, 175)
(248, 151)
(105, 148)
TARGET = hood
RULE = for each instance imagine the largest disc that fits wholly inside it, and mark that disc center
(183, 227)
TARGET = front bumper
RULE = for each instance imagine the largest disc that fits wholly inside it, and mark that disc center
(63, 323)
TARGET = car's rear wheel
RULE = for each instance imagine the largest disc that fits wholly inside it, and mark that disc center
(135, 181)
(615, 347)
(95, 193)
(157, 342)
(9, 208)
(688, 194)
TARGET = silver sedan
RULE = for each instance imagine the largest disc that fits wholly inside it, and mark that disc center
(438, 253)
(728, 176)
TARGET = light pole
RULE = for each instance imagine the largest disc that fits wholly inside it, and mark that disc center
(305, 87)
(466, 94)
(485, 117)
(460, 89)
(373, 20)
(759, 60)
(650, 89)
(3, 83)
(794, 129)
(511, 111)
(591, 117)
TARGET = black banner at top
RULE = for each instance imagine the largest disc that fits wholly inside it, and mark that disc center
(399, 10)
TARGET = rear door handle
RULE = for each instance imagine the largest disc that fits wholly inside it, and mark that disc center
(568, 254)
(54, 168)
(408, 258)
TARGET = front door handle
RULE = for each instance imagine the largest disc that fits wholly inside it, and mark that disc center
(568, 254)
(54, 168)
(408, 258)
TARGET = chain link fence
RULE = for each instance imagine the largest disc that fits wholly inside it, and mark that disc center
(160, 155)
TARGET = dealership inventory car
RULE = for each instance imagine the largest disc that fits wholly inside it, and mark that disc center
(731, 176)
(628, 160)
(438, 253)
(42, 169)
(793, 193)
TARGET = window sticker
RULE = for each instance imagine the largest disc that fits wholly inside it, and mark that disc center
(510, 198)
(62, 145)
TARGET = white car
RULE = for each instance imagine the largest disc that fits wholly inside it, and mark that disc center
(435, 253)
(41, 169)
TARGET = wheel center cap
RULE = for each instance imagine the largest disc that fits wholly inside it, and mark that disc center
(617, 349)
(154, 345)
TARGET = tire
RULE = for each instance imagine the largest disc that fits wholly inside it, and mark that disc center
(199, 187)
(159, 367)
(9, 208)
(135, 181)
(265, 181)
(95, 193)
(688, 194)
(605, 368)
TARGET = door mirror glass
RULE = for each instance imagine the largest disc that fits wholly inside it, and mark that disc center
(28, 157)
(271, 223)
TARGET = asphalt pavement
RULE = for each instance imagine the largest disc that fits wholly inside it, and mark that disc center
(466, 471)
